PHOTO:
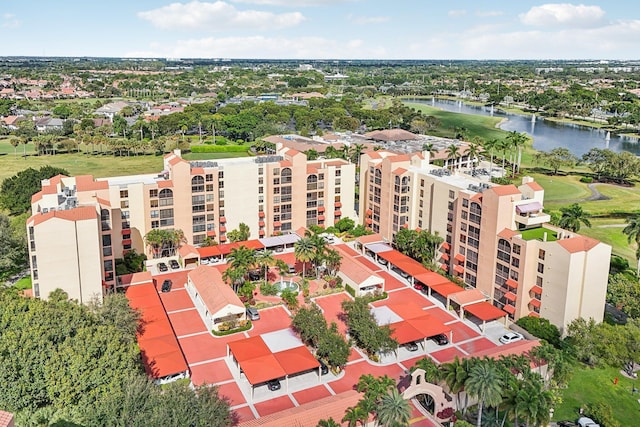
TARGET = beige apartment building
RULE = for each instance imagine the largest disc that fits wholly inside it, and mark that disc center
(80, 225)
(497, 237)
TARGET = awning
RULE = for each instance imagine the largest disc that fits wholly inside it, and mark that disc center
(277, 224)
(446, 289)
(467, 297)
(509, 309)
(260, 223)
(259, 370)
(403, 262)
(223, 219)
(446, 246)
(536, 290)
(211, 233)
(337, 204)
(320, 208)
(320, 217)
(126, 231)
(223, 229)
(368, 220)
(337, 213)
(417, 329)
(444, 256)
(535, 303)
(458, 269)
(431, 278)
(260, 233)
(534, 314)
(512, 284)
(296, 360)
(459, 257)
(445, 267)
(529, 207)
(369, 212)
(485, 311)
(377, 248)
(261, 214)
(510, 296)
(126, 241)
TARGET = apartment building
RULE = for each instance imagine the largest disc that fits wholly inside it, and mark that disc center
(497, 237)
(80, 225)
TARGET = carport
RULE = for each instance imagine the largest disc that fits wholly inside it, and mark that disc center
(406, 264)
(431, 279)
(259, 364)
(446, 289)
(484, 311)
(418, 329)
(377, 248)
(284, 241)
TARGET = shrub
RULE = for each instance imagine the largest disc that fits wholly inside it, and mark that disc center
(267, 288)
(445, 414)
(601, 413)
(500, 181)
(350, 290)
(223, 329)
(586, 179)
(541, 328)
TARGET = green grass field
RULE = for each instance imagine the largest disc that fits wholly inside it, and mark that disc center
(597, 385)
(24, 283)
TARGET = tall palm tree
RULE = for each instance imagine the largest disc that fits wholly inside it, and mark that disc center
(304, 251)
(455, 374)
(632, 230)
(333, 261)
(452, 154)
(393, 409)
(490, 146)
(485, 383)
(573, 216)
(517, 141)
(432, 371)
(473, 150)
(240, 261)
(328, 423)
(429, 148)
(356, 151)
(265, 259)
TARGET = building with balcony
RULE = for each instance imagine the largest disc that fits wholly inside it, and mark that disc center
(493, 236)
(96, 221)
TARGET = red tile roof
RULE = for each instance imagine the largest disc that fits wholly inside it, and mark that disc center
(215, 293)
(82, 213)
(167, 183)
(505, 190)
(87, 183)
(534, 186)
(578, 244)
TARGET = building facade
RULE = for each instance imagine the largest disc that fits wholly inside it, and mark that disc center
(496, 237)
(273, 195)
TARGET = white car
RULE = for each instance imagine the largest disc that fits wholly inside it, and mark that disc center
(511, 337)
(587, 422)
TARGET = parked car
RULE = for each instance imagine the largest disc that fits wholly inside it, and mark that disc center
(166, 286)
(254, 275)
(412, 346)
(324, 369)
(162, 267)
(292, 269)
(510, 337)
(587, 422)
(175, 265)
(566, 424)
(418, 286)
(273, 385)
(440, 339)
(252, 313)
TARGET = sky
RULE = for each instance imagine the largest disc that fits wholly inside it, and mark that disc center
(321, 29)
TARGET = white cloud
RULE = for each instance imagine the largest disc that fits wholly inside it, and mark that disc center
(457, 12)
(217, 16)
(295, 3)
(364, 20)
(264, 47)
(563, 14)
(489, 13)
(10, 21)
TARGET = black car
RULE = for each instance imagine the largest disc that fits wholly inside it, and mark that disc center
(254, 275)
(440, 339)
(273, 385)
(324, 369)
(166, 286)
(174, 264)
(163, 267)
(412, 346)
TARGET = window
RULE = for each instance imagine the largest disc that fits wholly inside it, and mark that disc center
(452, 194)
(516, 249)
(124, 194)
(153, 192)
(166, 213)
(208, 177)
(465, 203)
(539, 281)
(220, 175)
(338, 172)
(197, 184)
(541, 254)
(155, 214)
(540, 268)
(106, 240)
(515, 262)
(108, 265)
(153, 203)
(475, 213)
(166, 197)
(124, 204)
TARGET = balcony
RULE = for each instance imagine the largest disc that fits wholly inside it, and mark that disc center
(531, 214)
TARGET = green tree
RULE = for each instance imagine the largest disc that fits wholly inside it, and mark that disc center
(265, 259)
(241, 234)
(632, 230)
(304, 251)
(393, 410)
(558, 158)
(328, 423)
(541, 328)
(13, 248)
(16, 191)
(455, 375)
(573, 216)
(354, 415)
(624, 293)
(517, 141)
(485, 383)
(164, 243)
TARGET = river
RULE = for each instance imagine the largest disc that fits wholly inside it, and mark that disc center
(546, 134)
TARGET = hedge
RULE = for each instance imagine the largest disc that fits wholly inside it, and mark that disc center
(233, 331)
(219, 149)
(351, 291)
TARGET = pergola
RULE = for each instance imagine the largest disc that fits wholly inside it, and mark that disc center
(260, 364)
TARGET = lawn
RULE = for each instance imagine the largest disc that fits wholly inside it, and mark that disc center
(597, 385)
(24, 283)
(539, 234)
(560, 188)
(99, 166)
(609, 231)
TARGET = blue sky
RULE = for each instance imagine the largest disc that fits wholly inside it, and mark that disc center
(322, 29)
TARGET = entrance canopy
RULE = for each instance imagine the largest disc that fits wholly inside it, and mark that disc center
(485, 311)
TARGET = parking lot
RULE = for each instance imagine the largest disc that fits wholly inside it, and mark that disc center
(209, 362)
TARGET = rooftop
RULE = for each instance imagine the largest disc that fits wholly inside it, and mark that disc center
(539, 234)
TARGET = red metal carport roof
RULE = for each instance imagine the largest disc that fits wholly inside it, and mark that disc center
(403, 332)
(431, 278)
(209, 251)
(262, 369)
(417, 328)
(249, 348)
(485, 311)
(446, 289)
(403, 262)
(161, 353)
(296, 360)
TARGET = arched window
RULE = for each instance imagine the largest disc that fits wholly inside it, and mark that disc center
(105, 215)
(197, 184)
(166, 197)
(285, 176)
(504, 251)
(312, 182)
(475, 213)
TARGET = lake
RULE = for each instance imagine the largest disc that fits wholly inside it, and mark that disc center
(546, 134)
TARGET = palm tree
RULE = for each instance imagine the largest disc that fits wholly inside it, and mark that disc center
(455, 374)
(240, 261)
(452, 154)
(14, 141)
(431, 370)
(356, 151)
(353, 415)
(517, 141)
(573, 216)
(328, 423)
(333, 261)
(473, 150)
(304, 251)
(632, 230)
(393, 409)
(485, 383)
(503, 146)
(429, 148)
(265, 259)
(490, 146)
